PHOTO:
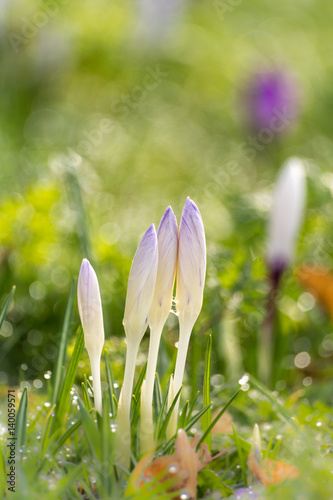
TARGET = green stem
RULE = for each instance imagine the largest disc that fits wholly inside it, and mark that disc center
(146, 425)
(95, 363)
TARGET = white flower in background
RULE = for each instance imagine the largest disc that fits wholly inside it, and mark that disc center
(286, 215)
(167, 238)
(140, 291)
(90, 310)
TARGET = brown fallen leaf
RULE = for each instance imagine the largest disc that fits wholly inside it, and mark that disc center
(224, 424)
(268, 471)
(179, 470)
(272, 471)
(320, 281)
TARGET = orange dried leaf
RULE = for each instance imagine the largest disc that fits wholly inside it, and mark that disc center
(179, 471)
(320, 281)
(224, 424)
(272, 471)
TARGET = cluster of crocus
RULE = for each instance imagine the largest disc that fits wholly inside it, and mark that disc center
(160, 255)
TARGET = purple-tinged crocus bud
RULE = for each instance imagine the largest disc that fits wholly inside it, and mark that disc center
(140, 291)
(286, 216)
(167, 238)
(191, 270)
(91, 315)
(141, 284)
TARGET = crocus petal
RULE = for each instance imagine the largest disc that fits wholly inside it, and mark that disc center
(286, 215)
(90, 308)
(141, 283)
(191, 268)
(167, 238)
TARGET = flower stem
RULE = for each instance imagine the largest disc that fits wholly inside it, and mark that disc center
(95, 363)
(184, 338)
(123, 438)
(146, 424)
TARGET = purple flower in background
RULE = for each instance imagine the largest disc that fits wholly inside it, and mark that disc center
(272, 101)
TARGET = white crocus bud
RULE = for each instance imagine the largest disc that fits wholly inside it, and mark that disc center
(167, 238)
(90, 310)
(191, 270)
(286, 215)
(140, 291)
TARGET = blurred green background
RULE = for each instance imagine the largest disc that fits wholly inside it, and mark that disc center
(110, 112)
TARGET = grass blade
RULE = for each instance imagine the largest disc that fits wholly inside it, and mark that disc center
(61, 358)
(157, 400)
(8, 300)
(218, 417)
(272, 399)
(91, 432)
(3, 472)
(190, 424)
(70, 377)
(46, 431)
(240, 455)
(192, 405)
(183, 415)
(168, 416)
(21, 420)
(206, 419)
(110, 379)
(162, 412)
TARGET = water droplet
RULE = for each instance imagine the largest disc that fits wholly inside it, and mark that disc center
(113, 427)
(244, 379)
(319, 423)
(184, 496)
(47, 375)
(173, 469)
(47, 404)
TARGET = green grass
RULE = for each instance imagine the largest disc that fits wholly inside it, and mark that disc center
(183, 137)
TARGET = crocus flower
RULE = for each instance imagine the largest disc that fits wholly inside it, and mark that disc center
(286, 215)
(271, 101)
(90, 310)
(141, 284)
(191, 270)
(167, 237)
(285, 220)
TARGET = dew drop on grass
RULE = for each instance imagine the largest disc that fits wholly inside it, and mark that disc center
(319, 423)
(113, 427)
(47, 375)
(47, 404)
(173, 469)
(244, 379)
(184, 496)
